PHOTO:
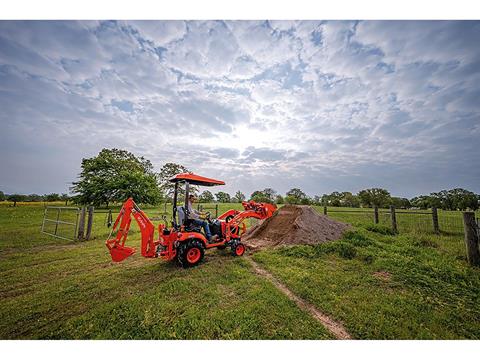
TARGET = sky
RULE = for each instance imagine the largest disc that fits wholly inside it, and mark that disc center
(319, 105)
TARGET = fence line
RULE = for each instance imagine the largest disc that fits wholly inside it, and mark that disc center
(428, 221)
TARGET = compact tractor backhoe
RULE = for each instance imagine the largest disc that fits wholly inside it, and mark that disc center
(184, 240)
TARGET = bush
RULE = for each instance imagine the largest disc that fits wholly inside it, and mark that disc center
(381, 229)
(346, 250)
(357, 239)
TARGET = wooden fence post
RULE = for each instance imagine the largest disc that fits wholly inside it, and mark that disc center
(471, 238)
(324, 210)
(89, 222)
(436, 227)
(216, 210)
(375, 214)
(394, 219)
(81, 224)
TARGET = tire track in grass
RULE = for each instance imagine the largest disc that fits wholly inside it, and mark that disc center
(331, 325)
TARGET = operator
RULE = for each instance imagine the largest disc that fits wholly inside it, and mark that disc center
(198, 219)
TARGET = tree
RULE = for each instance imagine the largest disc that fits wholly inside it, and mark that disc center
(295, 196)
(267, 195)
(306, 201)
(34, 198)
(349, 200)
(455, 199)
(51, 197)
(239, 197)
(335, 199)
(421, 202)
(222, 197)
(167, 187)
(279, 199)
(270, 194)
(2, 196)
(65, 197)
(206, 197)
(375, 197)
(115, 175)
(401, 203)
(324, 199)
(16, 198)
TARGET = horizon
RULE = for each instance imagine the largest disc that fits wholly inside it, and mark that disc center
(318, 105)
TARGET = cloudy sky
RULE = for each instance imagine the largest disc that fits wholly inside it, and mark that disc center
(318, 105)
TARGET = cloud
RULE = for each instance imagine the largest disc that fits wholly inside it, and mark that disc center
(324, 105)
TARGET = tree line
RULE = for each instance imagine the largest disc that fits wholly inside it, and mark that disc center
(454, 199)
(115, 175)
(33, 197)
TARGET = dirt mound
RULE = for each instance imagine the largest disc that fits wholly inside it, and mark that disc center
(293, 225)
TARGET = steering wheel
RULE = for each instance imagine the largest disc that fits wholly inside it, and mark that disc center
(208, 216)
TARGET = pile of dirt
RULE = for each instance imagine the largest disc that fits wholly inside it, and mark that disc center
(293, 225)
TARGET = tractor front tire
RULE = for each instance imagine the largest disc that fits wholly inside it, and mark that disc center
(238, 249)
(190, 253)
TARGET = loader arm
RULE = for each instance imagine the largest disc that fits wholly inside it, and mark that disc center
(116, 245)
(253, 209)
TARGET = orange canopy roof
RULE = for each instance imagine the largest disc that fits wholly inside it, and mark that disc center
(196, 179)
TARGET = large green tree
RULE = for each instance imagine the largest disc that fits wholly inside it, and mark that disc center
(168, 171)
(296, 196)
(2, 196)
(421, 202)
(375, 197)
(115, 175)
(239, 197)
(455, 199)
(16, 198)
(267, 195)
(223, 197)
(51, 197)
(206, 197)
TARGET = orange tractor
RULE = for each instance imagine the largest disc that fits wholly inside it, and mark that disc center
(184, 240)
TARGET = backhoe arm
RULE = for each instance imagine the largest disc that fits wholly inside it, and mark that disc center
(116, 246)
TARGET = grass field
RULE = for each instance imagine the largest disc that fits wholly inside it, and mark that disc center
(409, 286)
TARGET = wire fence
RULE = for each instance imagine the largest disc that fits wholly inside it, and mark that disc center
(429, 221)
(65, 223)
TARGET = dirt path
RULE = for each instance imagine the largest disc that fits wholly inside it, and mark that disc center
(331, 325)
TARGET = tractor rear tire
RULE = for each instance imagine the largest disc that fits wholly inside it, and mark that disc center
(238, 249)
(190, 253)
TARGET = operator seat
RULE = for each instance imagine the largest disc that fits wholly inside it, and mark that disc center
(189, 224)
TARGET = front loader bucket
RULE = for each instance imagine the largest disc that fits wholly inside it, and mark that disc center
(120, 253)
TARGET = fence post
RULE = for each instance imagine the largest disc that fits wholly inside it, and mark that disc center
(216, 210)
(471, 238)
(89, 222)
(81, 224)
(436, 227)
(375, 214)
(324, 210)
(394, 219)
(110, 218)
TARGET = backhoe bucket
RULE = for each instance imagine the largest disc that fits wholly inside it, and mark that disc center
(120, 253)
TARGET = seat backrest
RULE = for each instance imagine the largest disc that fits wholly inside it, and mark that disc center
(181, 215)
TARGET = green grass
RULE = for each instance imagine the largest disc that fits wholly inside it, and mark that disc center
(409, 286)
(51, 288)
